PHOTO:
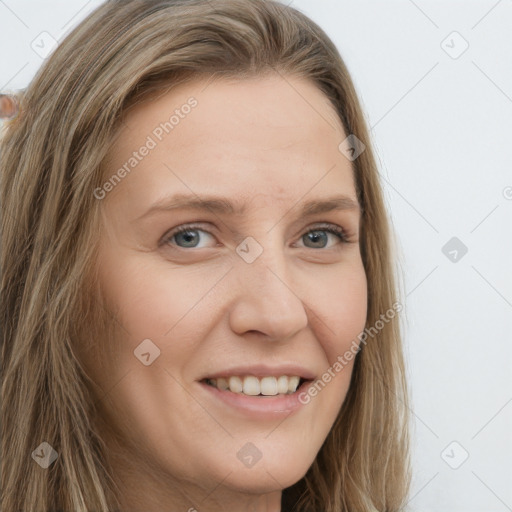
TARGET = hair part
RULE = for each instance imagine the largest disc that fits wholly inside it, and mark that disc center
(51, 161)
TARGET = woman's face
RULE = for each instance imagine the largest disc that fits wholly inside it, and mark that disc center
(249, 168)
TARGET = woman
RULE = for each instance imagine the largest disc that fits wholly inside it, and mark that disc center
(199, 300)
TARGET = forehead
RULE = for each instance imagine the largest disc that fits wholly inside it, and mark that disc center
(271, 135)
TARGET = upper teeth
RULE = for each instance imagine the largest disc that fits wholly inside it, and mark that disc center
(251, 385)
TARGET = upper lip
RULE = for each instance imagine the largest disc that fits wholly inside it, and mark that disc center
(262, 370)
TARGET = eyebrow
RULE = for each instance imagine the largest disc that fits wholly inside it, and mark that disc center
(223, 206)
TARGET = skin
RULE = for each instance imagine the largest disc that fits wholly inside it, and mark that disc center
(271, 144)
(8, 107)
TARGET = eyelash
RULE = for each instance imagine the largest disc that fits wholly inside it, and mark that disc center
(330, 228)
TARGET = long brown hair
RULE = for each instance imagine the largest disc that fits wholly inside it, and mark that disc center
(51, 158)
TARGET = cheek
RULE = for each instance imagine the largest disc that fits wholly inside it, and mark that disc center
(152, 299)
(341, 306)
(338, 303)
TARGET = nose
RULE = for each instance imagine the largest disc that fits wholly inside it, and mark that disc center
(266, 299)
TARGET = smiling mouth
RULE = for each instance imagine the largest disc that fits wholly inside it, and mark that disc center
(254, 386)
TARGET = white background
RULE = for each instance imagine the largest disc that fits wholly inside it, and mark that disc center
(442, 129)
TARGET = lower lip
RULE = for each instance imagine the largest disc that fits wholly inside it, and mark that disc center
(259, 407)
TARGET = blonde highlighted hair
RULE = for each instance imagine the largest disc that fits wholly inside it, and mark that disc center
(51, 158)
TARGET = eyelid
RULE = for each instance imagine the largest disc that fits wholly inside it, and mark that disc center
(182, 228)
(344, 234)
(331, 228)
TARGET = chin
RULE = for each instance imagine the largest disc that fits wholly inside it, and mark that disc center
(266, 475)
(263, 481)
